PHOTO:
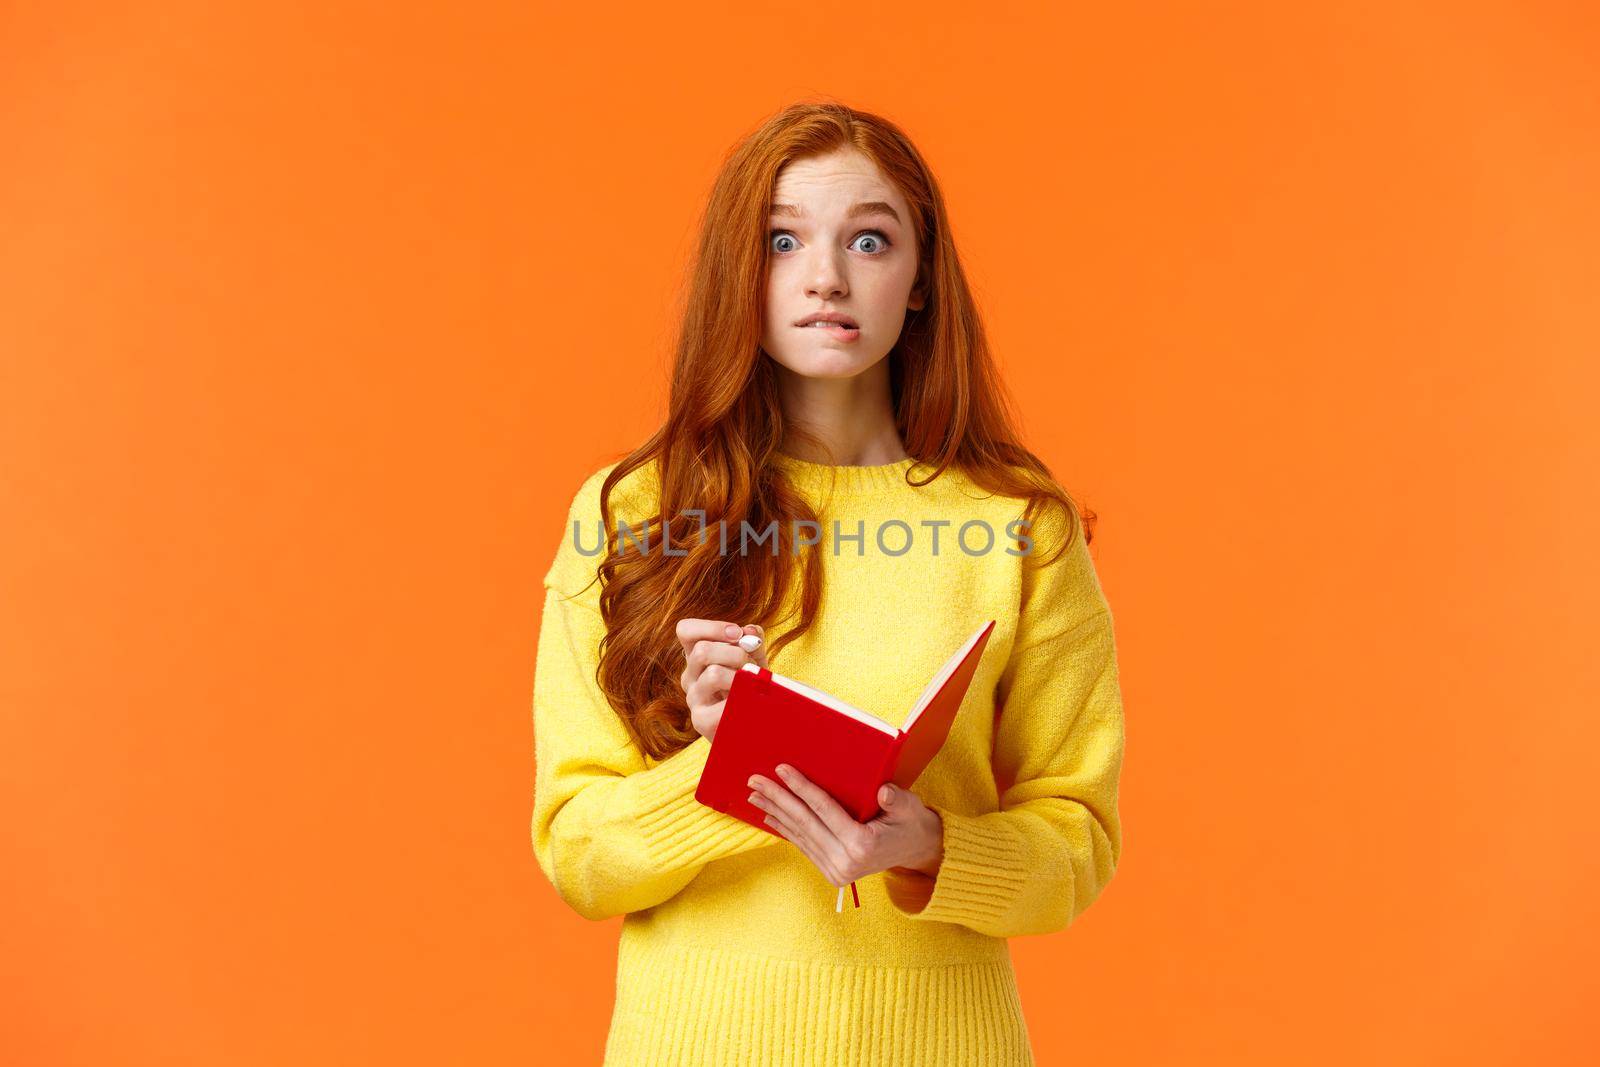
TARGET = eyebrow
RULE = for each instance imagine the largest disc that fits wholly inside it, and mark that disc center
(869, 207)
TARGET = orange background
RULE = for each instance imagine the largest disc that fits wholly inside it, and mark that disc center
(312, 320)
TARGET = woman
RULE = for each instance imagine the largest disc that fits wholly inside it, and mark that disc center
(887, 430)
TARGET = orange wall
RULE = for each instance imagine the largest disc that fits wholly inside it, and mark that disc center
(312, 320)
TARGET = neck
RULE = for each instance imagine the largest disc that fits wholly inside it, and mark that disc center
(851, 419)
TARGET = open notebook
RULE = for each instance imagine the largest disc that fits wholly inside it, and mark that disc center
(771, 719)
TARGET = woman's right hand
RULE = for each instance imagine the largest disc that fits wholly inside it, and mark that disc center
(711, 655)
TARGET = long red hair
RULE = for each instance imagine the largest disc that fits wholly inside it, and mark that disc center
(724, 422)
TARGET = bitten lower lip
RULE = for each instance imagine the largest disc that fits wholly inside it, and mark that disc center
(842, 333)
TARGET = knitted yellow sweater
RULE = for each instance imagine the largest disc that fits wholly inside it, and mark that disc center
(731, 951)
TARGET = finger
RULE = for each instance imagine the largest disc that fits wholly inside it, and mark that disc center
(789, 834)
(772, 818)
(714, 682)
(899, 805)
(840, 823)
(805, 844)
(705, 653)
(820, 862)
(713, 712)
(691, 630)
(798, 814)
(763, 802)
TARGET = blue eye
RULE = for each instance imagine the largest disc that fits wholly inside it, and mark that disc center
(878, 236)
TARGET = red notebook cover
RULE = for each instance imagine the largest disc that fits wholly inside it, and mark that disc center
(771, 719)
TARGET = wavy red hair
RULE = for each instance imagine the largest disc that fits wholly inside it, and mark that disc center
(724, 423)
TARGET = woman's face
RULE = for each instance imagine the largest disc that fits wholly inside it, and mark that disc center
(839, 240)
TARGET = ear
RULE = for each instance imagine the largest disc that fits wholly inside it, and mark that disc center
(918, 298)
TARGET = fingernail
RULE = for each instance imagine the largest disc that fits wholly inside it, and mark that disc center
(752, 782)
(783, 771)
(731, 630)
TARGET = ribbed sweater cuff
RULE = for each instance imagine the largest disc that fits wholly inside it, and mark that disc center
(679, 831)
(981, 876)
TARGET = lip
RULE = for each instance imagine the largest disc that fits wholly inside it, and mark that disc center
(840, 328)
(829, 316)
(837, 333)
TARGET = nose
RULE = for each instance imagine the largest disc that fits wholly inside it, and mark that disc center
(825, 276)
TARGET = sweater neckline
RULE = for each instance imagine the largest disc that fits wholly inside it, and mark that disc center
(845, 479)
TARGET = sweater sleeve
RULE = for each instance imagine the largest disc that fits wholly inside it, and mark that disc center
(1033, 866)
(613, 831)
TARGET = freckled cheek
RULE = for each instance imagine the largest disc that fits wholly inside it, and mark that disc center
(883, 304)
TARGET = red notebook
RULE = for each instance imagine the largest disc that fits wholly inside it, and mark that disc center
(771, 719)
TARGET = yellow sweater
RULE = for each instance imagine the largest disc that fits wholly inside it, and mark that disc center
(731, 951)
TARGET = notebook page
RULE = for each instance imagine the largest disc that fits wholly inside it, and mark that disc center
(835, 703)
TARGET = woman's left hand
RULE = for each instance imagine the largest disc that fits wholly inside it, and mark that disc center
(907, 834)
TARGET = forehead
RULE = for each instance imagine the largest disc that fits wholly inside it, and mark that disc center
(834, 182)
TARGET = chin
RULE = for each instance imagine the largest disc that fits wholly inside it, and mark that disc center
(826, 363)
